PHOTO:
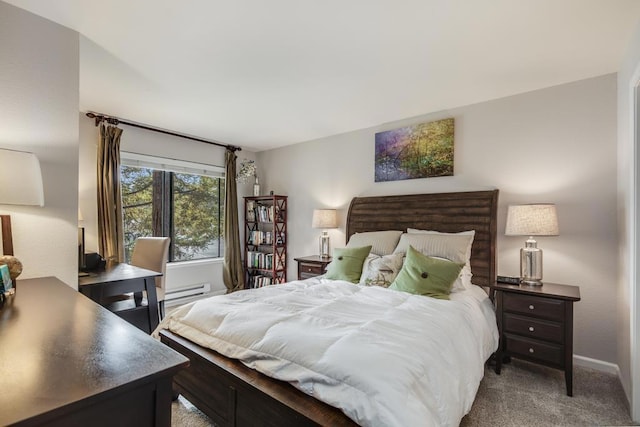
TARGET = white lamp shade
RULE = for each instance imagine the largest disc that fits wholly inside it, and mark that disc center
(532, 220)
(20, 179)
(324, 218)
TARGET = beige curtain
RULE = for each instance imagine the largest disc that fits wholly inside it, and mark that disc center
(110, 234)
(233, 272)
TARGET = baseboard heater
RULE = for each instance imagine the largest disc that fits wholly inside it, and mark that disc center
(174, 294)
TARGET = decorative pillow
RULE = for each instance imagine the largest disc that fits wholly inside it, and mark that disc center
(464, 281)
(381, 270)
(347, 263)
(382, 242)
(423, 275)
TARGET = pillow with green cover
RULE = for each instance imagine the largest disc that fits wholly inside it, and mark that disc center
(347, 264)
(423, 275)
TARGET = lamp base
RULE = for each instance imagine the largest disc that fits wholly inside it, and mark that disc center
(531, 264)
(324, 245)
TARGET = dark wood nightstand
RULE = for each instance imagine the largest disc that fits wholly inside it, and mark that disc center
(311, 266)
(536, 324)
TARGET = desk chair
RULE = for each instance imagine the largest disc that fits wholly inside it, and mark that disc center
(152, 253)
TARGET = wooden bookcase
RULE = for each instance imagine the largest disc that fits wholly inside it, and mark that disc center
(265, 240)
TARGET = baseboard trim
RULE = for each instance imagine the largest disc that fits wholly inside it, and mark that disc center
(598, 365)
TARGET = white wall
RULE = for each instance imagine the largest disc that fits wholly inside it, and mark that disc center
(156, 144)
(554, 145)
(628, 303)
(39, 113)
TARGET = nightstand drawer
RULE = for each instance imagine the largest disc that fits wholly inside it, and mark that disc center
(535, 350)
(547, 308)
(311, 266)
(534, 328)
(311, 269)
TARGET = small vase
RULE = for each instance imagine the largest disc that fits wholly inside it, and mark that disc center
(256, 188)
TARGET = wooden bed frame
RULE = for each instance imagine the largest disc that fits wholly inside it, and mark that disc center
(234, 395)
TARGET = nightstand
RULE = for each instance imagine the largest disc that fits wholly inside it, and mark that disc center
(311, 266)
(536, 324)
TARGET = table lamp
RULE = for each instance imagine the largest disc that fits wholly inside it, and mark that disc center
(21, 180)
(531, 220)
(324, 218)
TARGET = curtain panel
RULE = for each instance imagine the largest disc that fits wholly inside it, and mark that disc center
(110, 233)
(233, 271)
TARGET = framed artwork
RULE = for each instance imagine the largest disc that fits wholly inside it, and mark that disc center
(420, 151)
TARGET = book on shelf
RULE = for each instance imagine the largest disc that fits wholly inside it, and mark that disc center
(261, 260)
(259, 281)
(257, 237)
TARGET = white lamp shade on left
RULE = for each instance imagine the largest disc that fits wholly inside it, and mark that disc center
(20, 179)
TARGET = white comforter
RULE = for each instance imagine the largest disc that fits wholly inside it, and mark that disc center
(386, 358)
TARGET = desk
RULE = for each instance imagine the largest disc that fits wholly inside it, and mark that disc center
(66, 361)
(119, 279)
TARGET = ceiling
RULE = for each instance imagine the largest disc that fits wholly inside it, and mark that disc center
(264, 74)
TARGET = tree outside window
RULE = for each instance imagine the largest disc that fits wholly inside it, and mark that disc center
(189, 208)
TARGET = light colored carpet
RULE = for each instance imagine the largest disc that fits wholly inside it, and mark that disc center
(524, 394)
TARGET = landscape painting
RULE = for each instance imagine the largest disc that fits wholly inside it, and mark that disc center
(419, 151)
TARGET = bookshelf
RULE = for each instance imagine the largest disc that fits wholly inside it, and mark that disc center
(265, 240)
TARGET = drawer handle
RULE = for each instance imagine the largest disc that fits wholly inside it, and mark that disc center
(531, 307)
(531, 350)
(531, 329)
(309, 269)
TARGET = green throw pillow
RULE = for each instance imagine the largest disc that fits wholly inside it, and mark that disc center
(347, 264)
(423, 275)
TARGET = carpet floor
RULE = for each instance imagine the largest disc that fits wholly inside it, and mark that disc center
(524, 394)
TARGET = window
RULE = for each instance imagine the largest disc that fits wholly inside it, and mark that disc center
(181, 200)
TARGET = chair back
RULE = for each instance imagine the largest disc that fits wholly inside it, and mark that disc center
(152, 253)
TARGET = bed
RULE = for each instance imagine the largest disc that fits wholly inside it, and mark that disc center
(233, 394)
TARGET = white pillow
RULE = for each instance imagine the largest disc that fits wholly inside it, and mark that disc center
(381, 242)
(381, 270)
(455, 247)
(452, 247)
(471, 233)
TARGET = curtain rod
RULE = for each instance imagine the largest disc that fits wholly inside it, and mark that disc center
(99, 117)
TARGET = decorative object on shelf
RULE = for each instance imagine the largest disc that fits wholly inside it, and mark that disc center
(248, 170)
(419, 151)
(532, 220)
(256, 188)
(324, 219)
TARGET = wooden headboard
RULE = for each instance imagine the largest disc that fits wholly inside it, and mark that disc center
(444, 212)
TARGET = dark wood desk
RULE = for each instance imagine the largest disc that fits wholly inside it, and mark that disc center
(119, 279)
(66, 361)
